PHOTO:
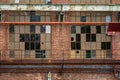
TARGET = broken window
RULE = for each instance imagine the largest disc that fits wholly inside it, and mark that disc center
(37, 45)
(78, 38)
(32, 37)
(32, 46)
(78, 46)
(88, 38)
(98, 29)
(105, 45)
(22, 38)
(37, 37)
(83, 29)
(32, 28)
(72, 45)
(26, 37)
(93, 37)
(27, 45)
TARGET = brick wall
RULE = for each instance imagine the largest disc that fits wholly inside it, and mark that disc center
(116, 1)
(56, 76)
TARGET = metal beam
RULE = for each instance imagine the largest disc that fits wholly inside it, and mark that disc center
(60, 7)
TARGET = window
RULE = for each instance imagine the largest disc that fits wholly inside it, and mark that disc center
(73, 29)
(42, 29)
(72, 45)
(98, 29)
(32, 28)
(0, 17)
(90, 54)
(78, 38)
(90, 37)
(11, 29)
(105, 45)
(85, 29)
(83, 19)
(40, 54)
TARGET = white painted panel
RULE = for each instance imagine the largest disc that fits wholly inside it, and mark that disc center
(16, 1)
(108, 19)
(48, 29)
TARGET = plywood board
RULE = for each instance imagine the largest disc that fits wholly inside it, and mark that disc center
(22, 45)
(72, 55)
(98, 45)
(83, 37)
(37, 29)
(108, 38)
(103, 29)
(77, 18)
(22, 18)
(48, 38)
(88, 45)
(17, 38)
(43, 37)
(42, 18)
(16, 27)
(27, 29)
(98, 54)
(93, 45)
(17, 46)
(93, 29)
(103, 52)
(17, 54)
(11, 46)
(32, 54)
(48, 54)
(27, 19)
(12, 37)
(12, 18)
(103, 37)
(72, 18)
(83, 46)
(48, 46)
(88, 19)
(22, 30)
(98, 37)
(42, 45)
(78, 29)
(17, 18)
(27, 54)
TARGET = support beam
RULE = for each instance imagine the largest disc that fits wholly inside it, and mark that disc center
(60, 7)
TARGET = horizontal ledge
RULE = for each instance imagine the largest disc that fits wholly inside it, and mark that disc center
(52, 23)
(60, 7)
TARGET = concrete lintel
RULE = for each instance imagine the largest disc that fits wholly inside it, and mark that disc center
(60, 7)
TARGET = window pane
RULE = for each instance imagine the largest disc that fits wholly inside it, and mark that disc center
(27, 46)
(78, 37)
(11, 29)
(83, 29)
(26, 38)
(37, 18)
(78, 46)
(37, 37)
(73, 29)
(88, 29)
(32, 37)
(83, 18)
(32, 28)
(93, 37)
(32, 45)
(88, 54)
(42, 29)
(108, 45)
(87, 37)
(72, 45)
(21, 37)
(98, 29)
(37, 45)
(103, 45)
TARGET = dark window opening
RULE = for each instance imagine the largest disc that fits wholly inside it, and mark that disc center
(37, 45)
(105, 45)
(72, 38)
(88, 54)
(26, 38)
(32, 46)
(83, 19)
(37, 37)
(78, 46)
(32, 28)
(27, 46)
(32, 37)
(72, 45)
(73, 29)
(88, 30)
(88, 38)
(93, 39)
(83, 29)
(42, 29)
(0, 17)
(98, 29)
(61, 17)
(32, 12)
(11, 29)
(37, 18)
(78, 37)
(22, 38)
